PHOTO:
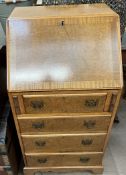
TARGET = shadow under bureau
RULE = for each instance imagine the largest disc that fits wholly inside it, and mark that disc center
(64, 84)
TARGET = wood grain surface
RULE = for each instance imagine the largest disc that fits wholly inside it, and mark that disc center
(78, 47)
(62, 10)
(68, 159)
(32, 124)
(64, 103)
(34, 170)
(63, 142)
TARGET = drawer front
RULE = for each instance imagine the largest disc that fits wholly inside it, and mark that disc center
(40, 170)
(85, 123)
(63, 143)
(64, 103)
(80, 159)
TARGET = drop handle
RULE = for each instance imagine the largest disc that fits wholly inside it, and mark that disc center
(40, 143)
(86, 142)
(90, 124)
(37, 104)
(38, 125)
(44, 160)
(38, 173)
(84, 159)
(91, 103)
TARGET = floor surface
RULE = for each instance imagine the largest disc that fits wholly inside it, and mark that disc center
(115, 155)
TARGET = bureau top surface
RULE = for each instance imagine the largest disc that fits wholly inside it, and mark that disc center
(63, 47)
(61, 10)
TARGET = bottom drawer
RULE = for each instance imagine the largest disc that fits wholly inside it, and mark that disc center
(40, 171)
(64, 159)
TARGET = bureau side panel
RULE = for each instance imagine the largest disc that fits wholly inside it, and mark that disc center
(113, 109)
(16, 123)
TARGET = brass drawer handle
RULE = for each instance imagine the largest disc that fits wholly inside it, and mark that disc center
(38, 125)
(84, 159)
(90, 124)
(37, 104)
(91, 103)
(87, 142)
(40, 143)
(38, 173)
(42, 160)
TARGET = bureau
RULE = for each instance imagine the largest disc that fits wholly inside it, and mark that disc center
(64, 84)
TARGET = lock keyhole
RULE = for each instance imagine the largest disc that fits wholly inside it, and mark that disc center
(62, 23)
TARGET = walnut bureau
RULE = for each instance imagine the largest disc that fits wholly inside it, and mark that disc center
(64, 84)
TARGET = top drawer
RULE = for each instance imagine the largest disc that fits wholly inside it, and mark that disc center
(63, 103)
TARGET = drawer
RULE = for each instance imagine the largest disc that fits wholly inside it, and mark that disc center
(65, 159)
(64, 103)
(63, 142)
(40, 170)
(83, 123)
